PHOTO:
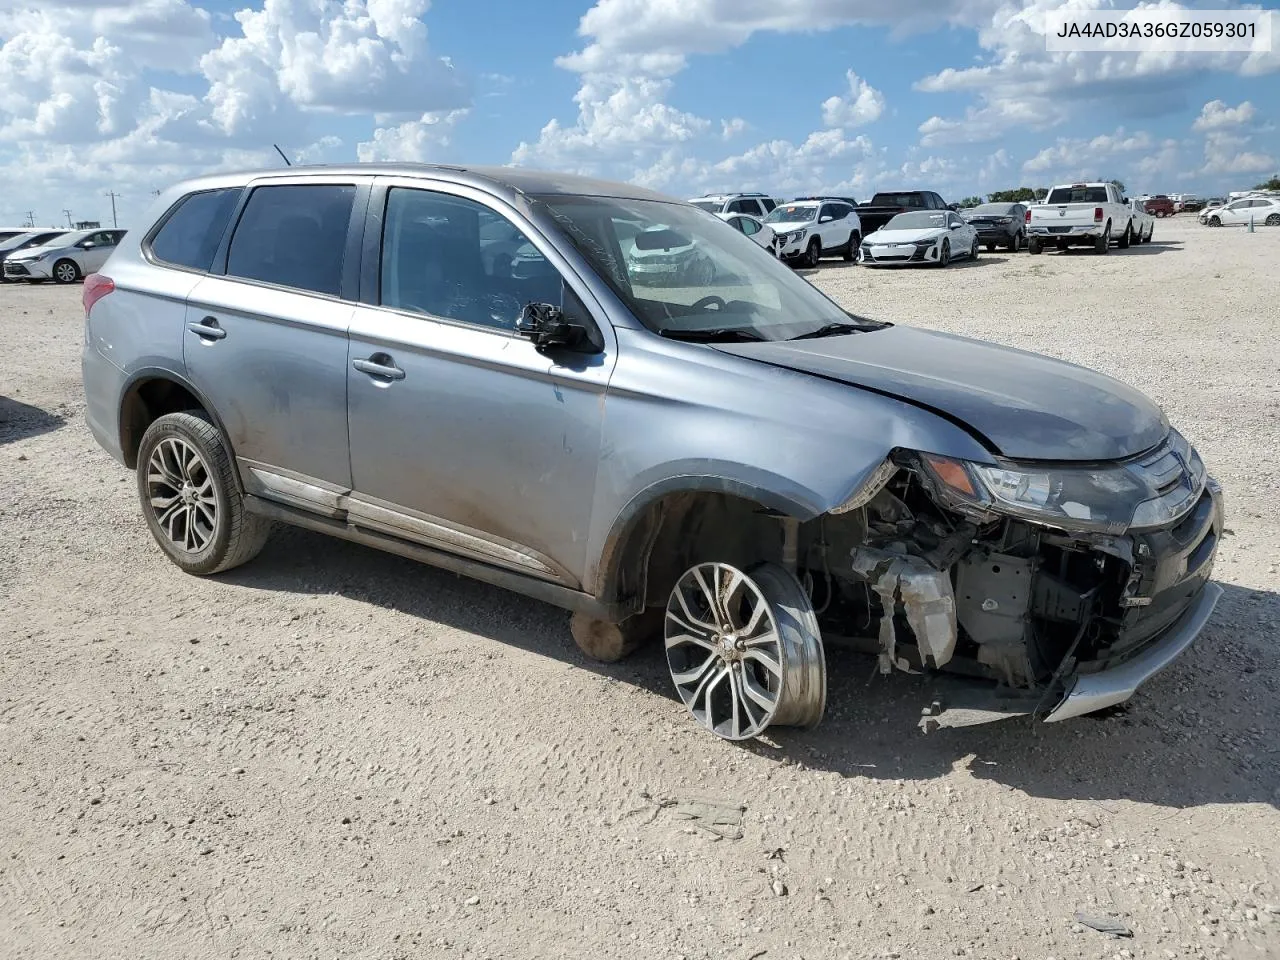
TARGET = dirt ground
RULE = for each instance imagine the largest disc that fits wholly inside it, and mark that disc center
(333, 752)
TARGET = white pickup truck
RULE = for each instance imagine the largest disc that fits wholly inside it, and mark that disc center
(1080, 213)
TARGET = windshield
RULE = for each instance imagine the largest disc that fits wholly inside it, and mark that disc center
(791, 213)
(711, 206)
(1077, 195)
(682, 272)
(917, 221)
(992, 209)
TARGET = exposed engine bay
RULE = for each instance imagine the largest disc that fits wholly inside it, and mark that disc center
(926, 586)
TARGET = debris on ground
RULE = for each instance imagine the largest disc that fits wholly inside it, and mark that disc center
(1108, 925)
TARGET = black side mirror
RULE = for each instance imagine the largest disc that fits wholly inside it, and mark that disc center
(547, 327)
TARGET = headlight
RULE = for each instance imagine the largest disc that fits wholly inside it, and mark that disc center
(1106, 499)
(799, 235)
(926, 244)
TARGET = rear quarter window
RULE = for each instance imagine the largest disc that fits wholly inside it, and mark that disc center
(293, 236)
(189, 237)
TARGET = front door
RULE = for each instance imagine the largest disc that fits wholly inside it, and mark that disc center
(463, 436)
(94, 250)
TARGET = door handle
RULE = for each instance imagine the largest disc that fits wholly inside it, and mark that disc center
(379, 366)
(207, 329)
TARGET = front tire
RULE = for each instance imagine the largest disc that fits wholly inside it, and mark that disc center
(944, 255)
(744, 650)
(1215, 221)
(66, 271)
(813, 254)
(190, 498)
(973, 252)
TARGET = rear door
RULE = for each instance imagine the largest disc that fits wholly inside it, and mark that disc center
(266, 335)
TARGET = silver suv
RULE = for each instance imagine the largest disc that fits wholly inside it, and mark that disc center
(467, 367)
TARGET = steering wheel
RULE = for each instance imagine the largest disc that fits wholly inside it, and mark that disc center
(711, 301)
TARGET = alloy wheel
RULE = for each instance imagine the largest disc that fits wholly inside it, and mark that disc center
(744, 650)
(64, 273)
(181, 495)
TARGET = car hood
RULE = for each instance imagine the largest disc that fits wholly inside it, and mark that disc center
(33, 252)
(782, 226)
(1027, 406)
(906, 236)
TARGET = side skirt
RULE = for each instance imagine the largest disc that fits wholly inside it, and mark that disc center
(551, 593)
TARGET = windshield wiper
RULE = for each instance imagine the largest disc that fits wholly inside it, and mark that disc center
(839, 328)
(715, 335)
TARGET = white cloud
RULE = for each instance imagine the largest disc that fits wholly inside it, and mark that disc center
(863, 105)
(1227, 153)
(1216, 115)
(732, 128)
(414, 141)
(1086, 156)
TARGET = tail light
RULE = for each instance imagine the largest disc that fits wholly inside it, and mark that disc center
(1028, 215)
(1097, 214)
(96, 286)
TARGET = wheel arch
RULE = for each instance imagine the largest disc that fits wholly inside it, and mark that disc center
(149, 394)
(660, 528)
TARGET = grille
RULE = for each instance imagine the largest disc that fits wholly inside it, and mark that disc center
(15, 270)
(1176, 489)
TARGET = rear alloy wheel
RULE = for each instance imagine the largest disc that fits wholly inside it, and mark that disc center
(1273, 220)
(66, 271)
(190, 497)
(1016, 243)
(1103, 243)
(813, 255)
(851, 248)
(1126, 238)
(944, 255)
(744, 650)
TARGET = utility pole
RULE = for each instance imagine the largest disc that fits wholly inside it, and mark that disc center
(31, 219)
(112, 194)
(70, 225)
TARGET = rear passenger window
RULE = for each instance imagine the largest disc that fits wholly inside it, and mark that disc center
(293, 236)
(190, 237)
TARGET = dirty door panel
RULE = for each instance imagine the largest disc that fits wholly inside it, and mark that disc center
(462, 434)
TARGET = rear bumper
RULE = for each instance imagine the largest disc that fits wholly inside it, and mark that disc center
(104, 385)
(1097, 691)
(1074, 232)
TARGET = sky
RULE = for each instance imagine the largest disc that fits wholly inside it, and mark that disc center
(685, 96)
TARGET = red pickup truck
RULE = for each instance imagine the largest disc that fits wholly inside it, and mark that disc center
(1159, 206)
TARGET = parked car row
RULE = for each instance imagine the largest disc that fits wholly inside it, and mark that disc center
(63, 256)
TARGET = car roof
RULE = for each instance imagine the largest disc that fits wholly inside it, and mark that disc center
(502, 180)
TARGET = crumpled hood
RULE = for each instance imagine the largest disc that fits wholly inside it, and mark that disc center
(905, 236)
(1029, 406)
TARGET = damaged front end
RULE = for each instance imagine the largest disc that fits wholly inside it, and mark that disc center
(1067, 585)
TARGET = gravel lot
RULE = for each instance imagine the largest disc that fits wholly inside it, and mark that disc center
(333, 752)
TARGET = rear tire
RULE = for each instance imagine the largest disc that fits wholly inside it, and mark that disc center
(1033, 246)
(190, 498)
(1273, 220)
(1103, 243)
(1126, 238)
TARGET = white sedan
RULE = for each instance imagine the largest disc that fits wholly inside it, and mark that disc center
(753, 227)
(922, 236)
(70, 257)
(1261, 210)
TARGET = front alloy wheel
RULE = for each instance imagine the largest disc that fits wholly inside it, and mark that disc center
(65, 271)
(744, 650)
(944, 255)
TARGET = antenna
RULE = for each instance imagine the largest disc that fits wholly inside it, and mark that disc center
(282, 156)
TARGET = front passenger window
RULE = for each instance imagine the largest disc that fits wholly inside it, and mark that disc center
(456, 259)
